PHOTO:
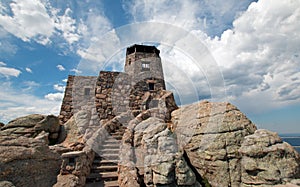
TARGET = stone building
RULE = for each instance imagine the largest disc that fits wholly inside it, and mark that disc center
(102, 107)
(131, 133)
(111, 93)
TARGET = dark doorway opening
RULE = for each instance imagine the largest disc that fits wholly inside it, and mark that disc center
(151, 86)
(71, 161)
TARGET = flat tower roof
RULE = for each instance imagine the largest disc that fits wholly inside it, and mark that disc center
(142, 48)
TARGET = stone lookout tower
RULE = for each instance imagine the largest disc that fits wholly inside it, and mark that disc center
(104, 105)
(143, 66)
(143, 61)
(140, 87)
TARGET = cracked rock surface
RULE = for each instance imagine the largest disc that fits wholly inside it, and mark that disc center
(266, 160)
(226, 150)
(150, 156)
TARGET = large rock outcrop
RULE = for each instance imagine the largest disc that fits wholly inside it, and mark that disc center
(32, 125)
(226, 150)
(73, 130)
(25, 157)
(202, 144)
(266, 160)
(150, 156)
(27, 161)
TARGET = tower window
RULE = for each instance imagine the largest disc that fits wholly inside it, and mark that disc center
(71, 161)
(87, 91)
(151, 86)
(129, 61)
(145, 66)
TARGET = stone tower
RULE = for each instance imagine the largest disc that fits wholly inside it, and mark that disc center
(143, 63)
(138, 88)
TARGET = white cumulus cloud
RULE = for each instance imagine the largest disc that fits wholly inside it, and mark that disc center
(58, 87)
(209, 16)
(76, 71)
(93, 50)
(67, 25)
(60, 67)
(54, 96)
(28, 70)
(16, 103)
(29, 85)
(258, 54)
(29, 20)
(9, 72)
(40, 21)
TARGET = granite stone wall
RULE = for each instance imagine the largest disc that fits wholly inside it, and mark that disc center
(119, 92)
(79, 95)
(103, 99)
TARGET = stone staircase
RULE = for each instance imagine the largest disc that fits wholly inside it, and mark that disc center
(104, 171)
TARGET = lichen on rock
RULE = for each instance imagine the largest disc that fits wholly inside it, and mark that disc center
(267, 160)
(149, 152)
(23, 159)
(227, 150)
(32, 125)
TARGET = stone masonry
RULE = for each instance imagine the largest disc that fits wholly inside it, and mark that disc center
(111, 93)
(79, 94)
(101, 107)
(137, 136)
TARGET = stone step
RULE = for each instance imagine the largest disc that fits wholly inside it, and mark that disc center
(111, 183)
(111, 140)
(117, 137)
(106, 147)
(111, 146)
(117, 133)
(110, 156)
(105, 176)
(109, 151)
(110, 137)
(106, 162)
(104, 168)
(104, 171)
(109, 176)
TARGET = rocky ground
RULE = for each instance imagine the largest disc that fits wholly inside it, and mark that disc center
(205, 144)
(25, 156)
(226, 148)
(202, 144)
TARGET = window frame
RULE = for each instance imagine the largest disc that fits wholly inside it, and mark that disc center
(145, 66)
(87, 92)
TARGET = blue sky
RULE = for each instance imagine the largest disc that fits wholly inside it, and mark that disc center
(249, 51)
